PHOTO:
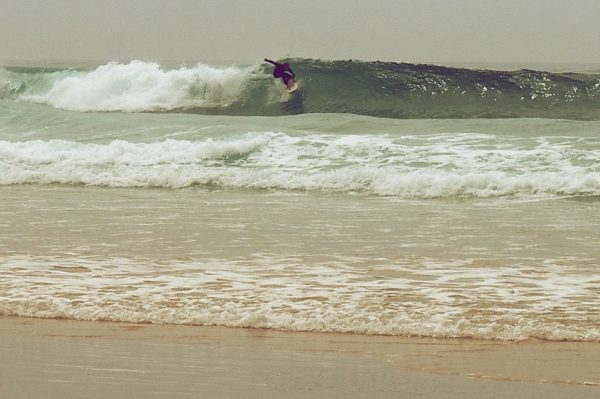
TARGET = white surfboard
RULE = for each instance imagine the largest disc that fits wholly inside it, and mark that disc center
(293, 87)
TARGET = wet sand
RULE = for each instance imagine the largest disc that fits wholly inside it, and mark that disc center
(73, 359)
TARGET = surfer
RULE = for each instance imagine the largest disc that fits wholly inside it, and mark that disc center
(284, 72)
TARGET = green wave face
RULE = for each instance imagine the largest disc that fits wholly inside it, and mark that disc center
(383, 89)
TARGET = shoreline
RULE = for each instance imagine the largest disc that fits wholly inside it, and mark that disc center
(54, 358)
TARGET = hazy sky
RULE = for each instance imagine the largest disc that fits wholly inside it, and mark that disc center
(493, 31)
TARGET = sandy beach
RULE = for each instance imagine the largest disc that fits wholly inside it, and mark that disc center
(75, 359)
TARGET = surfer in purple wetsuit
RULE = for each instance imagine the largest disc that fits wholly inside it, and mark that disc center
(284, 72)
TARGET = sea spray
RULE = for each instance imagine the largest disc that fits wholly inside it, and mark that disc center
(140, 86)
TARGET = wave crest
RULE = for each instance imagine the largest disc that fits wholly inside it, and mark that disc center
(383, 89)
(140, 86)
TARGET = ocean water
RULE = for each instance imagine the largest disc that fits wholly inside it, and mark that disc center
(380, 198)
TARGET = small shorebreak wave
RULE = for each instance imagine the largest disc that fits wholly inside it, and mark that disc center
(426, 299)
(382, 89)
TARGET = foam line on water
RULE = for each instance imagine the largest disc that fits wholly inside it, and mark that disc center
(409, 166)
(427, 297)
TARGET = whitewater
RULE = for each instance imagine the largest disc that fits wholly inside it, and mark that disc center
(381, 198)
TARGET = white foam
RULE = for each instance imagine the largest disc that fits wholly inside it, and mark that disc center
(416, 297)
(433, 167)
(143, 86)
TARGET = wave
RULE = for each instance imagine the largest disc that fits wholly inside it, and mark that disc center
(383, 89)
(425, 299)
(134, 87)
(422, 166)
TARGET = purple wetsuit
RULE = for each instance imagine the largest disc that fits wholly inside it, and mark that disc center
(282, 71)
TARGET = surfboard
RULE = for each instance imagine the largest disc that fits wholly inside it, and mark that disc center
(292, 88)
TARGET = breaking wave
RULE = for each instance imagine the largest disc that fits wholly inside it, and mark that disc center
(384, 89)
(430, 166)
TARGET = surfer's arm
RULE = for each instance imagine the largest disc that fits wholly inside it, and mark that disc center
(272, 62)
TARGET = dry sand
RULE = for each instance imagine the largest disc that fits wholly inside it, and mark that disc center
(55, 359)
